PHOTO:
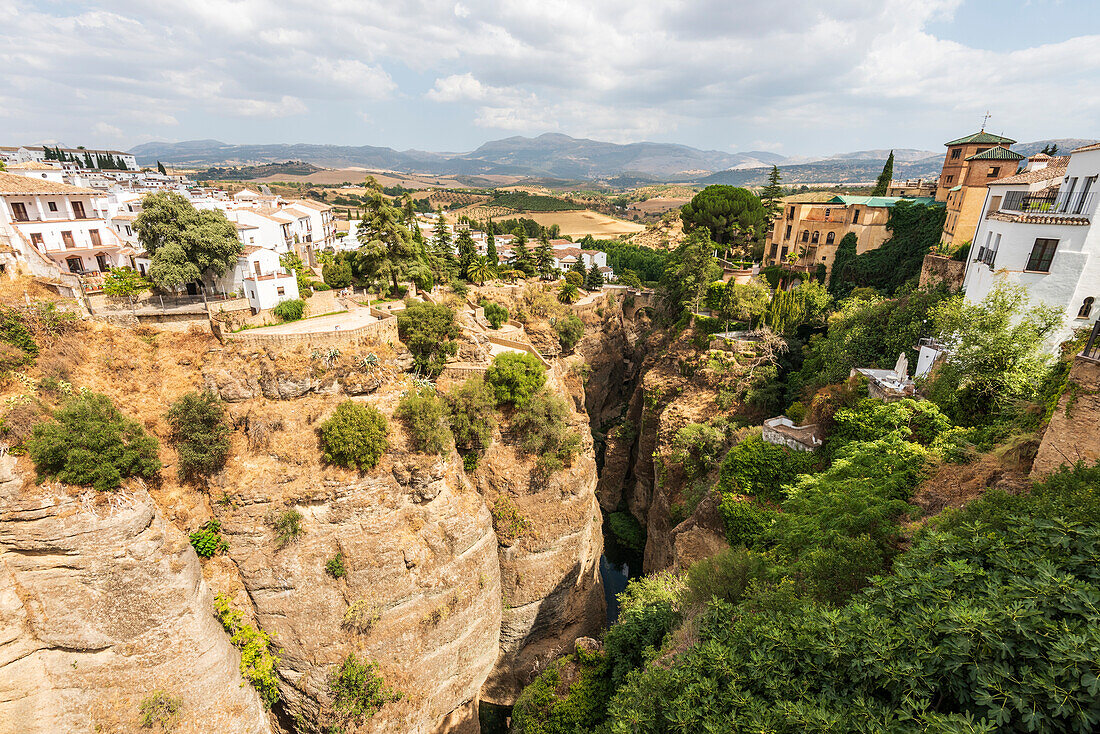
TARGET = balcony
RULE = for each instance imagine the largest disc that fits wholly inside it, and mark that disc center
(1052, 204)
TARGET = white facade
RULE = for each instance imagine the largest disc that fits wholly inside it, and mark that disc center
(1039, 231)
(267, 291)
(37, 154)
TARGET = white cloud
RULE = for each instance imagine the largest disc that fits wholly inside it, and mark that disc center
(107, 131)
(793, 70)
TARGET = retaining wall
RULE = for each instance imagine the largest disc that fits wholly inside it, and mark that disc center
(1074, 431)
(384, 330)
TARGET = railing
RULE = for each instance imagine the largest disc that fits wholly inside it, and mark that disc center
(1092, 346)
(1055, 203)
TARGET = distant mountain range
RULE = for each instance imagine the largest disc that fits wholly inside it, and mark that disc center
(561, 156)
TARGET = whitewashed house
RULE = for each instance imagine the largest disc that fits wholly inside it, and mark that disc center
(1038, 229)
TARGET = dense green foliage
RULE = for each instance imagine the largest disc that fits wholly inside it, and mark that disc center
(471, 414)
(15, 331)
(291, 309)
(733, 217)
(645, 262)
(987, 624)
(495, 314)
(199, 433)
(257, 661)
(124, 283)
(514, 377)
(737, 302)
(882, 185)
(648, 610)
(527, 202)
(358, 691)
(760, 469)
(627, 530)
(914, 230)
(544, 709)
(424, 414)
(355, 436)
(207, 540)
(542, 425)
(184, 243)
(90, 442)
(569, 329)
(387, 248)
(429, 331)
(690, 270)
(337, 274)
(697, 448)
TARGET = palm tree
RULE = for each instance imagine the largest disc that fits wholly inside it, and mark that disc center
(568, 293)
(511, 275)
(480, 270)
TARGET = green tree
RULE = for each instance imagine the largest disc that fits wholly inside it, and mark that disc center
(337, 274)
(842, 276)
(882, 185)
(442, 256)
(472, 415)
(690, 271)
(770, 195)
(429, 331)
(521, 257)
(480, 270)
(386, 247)
(568, 293)
(569, 329)
(739, 302)
(544, 255)
(355, 436)
(199, 433)
(1050, 149)
(185, 244)
(734, 217)
(593, 281)
(467, 253)
(124, 283)
(995, 356)
(90, 442)
(424, 414)
(491, 246)
(514, 377)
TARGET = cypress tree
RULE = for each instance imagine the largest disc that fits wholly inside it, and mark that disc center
(160, 168)
(491, 245)
(87, 160)
(884, 178)
(769, 195)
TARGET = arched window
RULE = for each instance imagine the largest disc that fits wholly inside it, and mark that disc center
(816, 237)
(1086, 308)
(805, 235)
(830, 238)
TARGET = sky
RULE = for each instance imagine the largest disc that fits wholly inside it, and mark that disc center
(796, 77)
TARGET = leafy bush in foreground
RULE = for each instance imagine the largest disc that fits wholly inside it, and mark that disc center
(472, 414)
(355, 436)
(515, 377)
(543, 428)
(207, 540)
(200, 433)
(290, 310)
(424, 414)
(92, 443)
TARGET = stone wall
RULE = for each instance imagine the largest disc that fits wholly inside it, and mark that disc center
(1074, 431)
(938, 269)
(383, 330)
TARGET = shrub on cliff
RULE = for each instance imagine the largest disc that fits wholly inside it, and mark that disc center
(429, 331)
(355, 436)
(358, 691)
(570, 696)
(542, 424)
(425, 417)
(92, 443)
(257, 661)
(570, 329)
(471, 414)
(200, 434)
(495, 314)
(290, 310)
(761, 469)
(514, 377)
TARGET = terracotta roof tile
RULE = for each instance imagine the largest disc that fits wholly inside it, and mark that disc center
(12, 184)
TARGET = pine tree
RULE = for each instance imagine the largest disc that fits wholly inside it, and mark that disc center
(521, 258)
(88, 160)
(769, 195)
(544, 255)
(160, 168)
(883, 184)
(491, 246)
(578, 266)
(593, 281)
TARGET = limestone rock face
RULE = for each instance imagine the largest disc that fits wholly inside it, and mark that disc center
(422, 584)
(102, 602)
(550, 575)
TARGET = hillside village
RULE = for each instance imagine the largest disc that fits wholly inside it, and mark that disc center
(270, 466)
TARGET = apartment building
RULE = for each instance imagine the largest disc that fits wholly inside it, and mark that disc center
(37, 154)
(971, 162)
(1037, 228)
(808, 231)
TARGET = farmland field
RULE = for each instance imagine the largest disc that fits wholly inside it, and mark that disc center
(585, 221)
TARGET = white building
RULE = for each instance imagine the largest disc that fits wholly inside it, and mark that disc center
(1037, 230)
(37, 154)
(269, 290)
(65, 224)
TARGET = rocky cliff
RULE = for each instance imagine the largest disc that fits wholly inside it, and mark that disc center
(102, 603)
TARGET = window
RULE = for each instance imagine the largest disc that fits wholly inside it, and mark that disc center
(78, 209)
(787, 234)
(805, 235)
(67, 239)
(36, 240)
(1082, 198)
(950, 179)
(828, 211)
(991, 252)
(19, 211)
(855, 216)
(52, 205)
(774, 250)
(101, 261)
(93, 234)
(983, 248)
(783, 256)
(1086, 308)
(76, 265)
(815, 238)
(280, 291)
(790, 213)
(994, 171)
(830, 238)
(995, 204)
(1041, 255)
(956, 153)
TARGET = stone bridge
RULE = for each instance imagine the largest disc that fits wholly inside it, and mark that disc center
(635, 300)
